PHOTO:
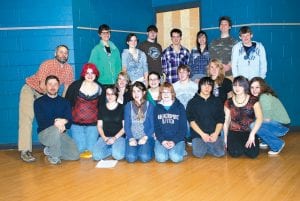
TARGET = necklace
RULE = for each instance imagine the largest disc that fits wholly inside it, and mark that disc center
(240, 103)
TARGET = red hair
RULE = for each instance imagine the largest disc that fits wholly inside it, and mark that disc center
(89, 66)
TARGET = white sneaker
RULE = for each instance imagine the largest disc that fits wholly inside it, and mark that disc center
(276, 152)
(263, 145)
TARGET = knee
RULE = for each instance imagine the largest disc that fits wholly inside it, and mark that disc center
(160, 158)
(198, 153)
(176, 158)
(118, 155)
(235, 153)
(145, 158)
(131, 158)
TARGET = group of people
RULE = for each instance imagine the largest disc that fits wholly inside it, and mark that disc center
(148, 103)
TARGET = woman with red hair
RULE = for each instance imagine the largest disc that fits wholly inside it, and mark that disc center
(84, 95)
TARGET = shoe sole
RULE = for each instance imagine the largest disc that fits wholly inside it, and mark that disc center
(277, 152)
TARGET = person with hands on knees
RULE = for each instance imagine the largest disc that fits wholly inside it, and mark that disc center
(111, 128)
(205, 113)
(53, 115)
(240, 112)
(139, 128)
(170, 126)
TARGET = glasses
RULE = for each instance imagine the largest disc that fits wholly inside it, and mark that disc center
(105, 32)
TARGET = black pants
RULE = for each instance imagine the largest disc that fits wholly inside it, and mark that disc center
(236, 141)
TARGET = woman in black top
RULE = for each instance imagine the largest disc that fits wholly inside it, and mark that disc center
(111, 128)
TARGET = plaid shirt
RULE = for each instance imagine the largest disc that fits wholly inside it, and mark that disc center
(51, 67)
(171, 60)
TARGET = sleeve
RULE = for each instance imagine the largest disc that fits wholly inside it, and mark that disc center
(266, 107)
(118, 61)
(127, 120)
(124, 58)
(149, 124)
(182, 125)
(43, 72)
(262, 62)
(164, 62)
(190, 111)
(144, 61)
(39, 114)
(186, 57)
(93, 57)
(157, 125)
(70, 94)
(234, 60)
(68, 114)
(219, 112)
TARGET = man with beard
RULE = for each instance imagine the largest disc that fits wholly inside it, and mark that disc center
(35, 88)
(53, 115)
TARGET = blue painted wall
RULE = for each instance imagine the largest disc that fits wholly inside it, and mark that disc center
(281, 42)
(22, 51)
(125, 15)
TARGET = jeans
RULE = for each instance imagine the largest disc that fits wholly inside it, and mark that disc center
(201, 148)
(144, 152)
(61, 145)
(175, 154)
(270, 133)
(117, 150)
(85, 136)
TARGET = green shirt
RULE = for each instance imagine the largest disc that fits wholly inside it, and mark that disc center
(108, 64)
(273, 109)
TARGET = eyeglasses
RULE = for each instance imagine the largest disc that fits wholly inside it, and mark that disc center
(105, 32)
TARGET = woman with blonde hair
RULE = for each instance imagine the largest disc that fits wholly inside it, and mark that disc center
(222, 85)
(123, 87)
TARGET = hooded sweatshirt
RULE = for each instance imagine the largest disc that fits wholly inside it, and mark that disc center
(171, 124)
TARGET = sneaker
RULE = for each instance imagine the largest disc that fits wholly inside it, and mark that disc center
(47, 151)
(276, 152)
(54, 160)
(86, 154)
(263, 145)
(27, 156)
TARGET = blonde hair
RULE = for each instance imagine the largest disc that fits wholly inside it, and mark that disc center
(220, 78)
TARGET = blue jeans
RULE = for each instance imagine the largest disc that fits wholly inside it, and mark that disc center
(175, 154)
(116, 150)
(60, 145)
(144, 152)
(85, 137)
(270, 133)
(201, 148)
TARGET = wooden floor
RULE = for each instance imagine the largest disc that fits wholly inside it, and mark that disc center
(265, 178)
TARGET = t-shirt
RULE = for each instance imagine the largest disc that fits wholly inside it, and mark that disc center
(153, 53)
(112, 119)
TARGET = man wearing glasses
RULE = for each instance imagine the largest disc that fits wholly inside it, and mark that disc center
(106, 57)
